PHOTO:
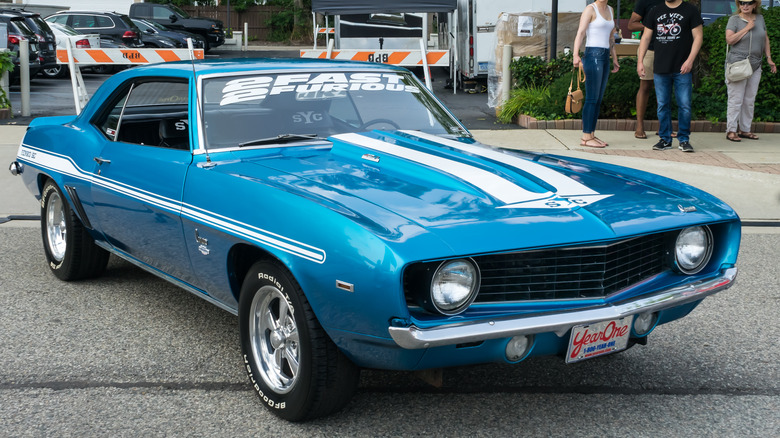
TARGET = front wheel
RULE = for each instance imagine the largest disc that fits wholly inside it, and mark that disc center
(297, 371)
(70, 251)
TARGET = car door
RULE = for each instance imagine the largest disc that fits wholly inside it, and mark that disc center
(139, 174)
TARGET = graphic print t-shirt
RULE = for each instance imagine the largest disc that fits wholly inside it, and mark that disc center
(672, 35)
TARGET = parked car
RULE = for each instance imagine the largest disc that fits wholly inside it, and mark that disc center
(17, 32)
(47, 46)
(350, 220)
(179, 37)
(110, 25)
(154, 39)
(77, 40)
(175, 18)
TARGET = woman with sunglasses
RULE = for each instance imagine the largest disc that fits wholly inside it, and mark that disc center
(747, 36)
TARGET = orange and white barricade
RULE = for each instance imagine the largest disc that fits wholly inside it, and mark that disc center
(90, 57)
(404, 58)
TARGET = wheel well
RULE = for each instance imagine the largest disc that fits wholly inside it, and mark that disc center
(240, 259)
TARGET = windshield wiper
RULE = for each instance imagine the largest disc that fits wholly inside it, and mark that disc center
(281, 138)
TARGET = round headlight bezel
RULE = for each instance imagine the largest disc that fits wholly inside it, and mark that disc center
(681, 262)
(460, 305)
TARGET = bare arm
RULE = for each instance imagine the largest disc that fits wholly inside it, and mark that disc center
(585, 19)
(698, 37)
(772, 66)
(635, 22)
(734, 37)
(644, 43)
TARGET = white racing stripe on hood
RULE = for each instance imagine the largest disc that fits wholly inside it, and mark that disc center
(490, 183)
(564, 185)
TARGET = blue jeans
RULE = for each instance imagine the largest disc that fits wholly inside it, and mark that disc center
(683, 90)
(595, 63)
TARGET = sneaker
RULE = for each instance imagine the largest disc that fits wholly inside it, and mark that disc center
(662, 145)
(686, 146)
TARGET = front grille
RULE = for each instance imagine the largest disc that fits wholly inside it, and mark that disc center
(570, 273)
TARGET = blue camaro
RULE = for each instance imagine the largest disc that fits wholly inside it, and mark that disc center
(351, 221)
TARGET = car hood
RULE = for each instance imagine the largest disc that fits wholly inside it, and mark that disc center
(464, 191)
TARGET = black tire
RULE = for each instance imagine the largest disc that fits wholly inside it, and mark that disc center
(70, 251)
(297, 371)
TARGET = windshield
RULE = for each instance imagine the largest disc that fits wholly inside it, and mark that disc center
(244, 109)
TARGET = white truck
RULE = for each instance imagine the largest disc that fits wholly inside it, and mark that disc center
(474, 25)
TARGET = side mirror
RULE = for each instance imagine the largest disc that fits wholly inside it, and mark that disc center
(173, 18)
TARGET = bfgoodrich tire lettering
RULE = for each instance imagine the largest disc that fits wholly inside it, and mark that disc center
(70, 251)
(297, 371)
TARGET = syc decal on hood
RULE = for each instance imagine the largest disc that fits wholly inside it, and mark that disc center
(568, 192)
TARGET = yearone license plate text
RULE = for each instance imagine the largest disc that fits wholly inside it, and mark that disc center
(599, 338)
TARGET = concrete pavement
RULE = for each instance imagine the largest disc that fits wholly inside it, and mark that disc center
(746, 175)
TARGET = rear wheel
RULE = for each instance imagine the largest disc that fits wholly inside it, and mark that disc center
(70, 251)
(54, 72)
(297, 371)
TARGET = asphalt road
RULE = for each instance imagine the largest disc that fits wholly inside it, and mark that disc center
(131, 355)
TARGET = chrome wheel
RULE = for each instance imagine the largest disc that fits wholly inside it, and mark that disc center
(274, 339)
(56, 227)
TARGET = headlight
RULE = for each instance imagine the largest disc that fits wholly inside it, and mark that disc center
(454, 286)
(693, 249)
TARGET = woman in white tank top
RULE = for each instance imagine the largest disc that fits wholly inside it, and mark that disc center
(597, 23)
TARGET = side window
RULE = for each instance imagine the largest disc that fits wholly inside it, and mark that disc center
(61, 19)
(149, 113)
(104, 22)
(82, 21)
(160, 13)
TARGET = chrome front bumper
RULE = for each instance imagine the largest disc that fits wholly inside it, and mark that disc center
(413, 337)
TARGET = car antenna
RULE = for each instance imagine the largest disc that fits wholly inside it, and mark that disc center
(198, 112)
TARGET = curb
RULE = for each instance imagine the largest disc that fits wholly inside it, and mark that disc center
(528, 122)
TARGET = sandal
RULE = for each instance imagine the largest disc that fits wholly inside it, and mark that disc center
(641, 136)
(732, 136)
(592, 143)
(601, 141)
(748, 135)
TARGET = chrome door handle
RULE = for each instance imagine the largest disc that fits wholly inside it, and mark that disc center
(102, 160)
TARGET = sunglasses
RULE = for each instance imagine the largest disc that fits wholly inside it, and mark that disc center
(746, 3)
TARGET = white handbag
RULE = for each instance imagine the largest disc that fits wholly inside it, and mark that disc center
(740, 70)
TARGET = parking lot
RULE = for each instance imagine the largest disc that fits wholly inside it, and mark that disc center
(129, 355)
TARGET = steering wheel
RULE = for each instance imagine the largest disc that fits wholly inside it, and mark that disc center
(365, 125)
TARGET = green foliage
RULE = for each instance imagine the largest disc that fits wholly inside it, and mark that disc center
(530, 71)
(6, 65)
(282, 24)
(618, 101)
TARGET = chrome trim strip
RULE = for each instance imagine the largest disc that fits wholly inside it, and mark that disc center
(413, 337)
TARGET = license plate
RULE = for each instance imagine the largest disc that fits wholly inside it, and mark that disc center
(596, 339)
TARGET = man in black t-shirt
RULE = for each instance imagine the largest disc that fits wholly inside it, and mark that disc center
(641, 9)
(675, 28)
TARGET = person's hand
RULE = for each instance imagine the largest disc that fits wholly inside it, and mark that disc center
(772, 66)
(640, 69)
(751, 23)
(615, 66)
(686, 67)
(576, 60)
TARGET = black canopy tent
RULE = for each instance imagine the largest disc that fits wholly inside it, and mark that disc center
(347, 7)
